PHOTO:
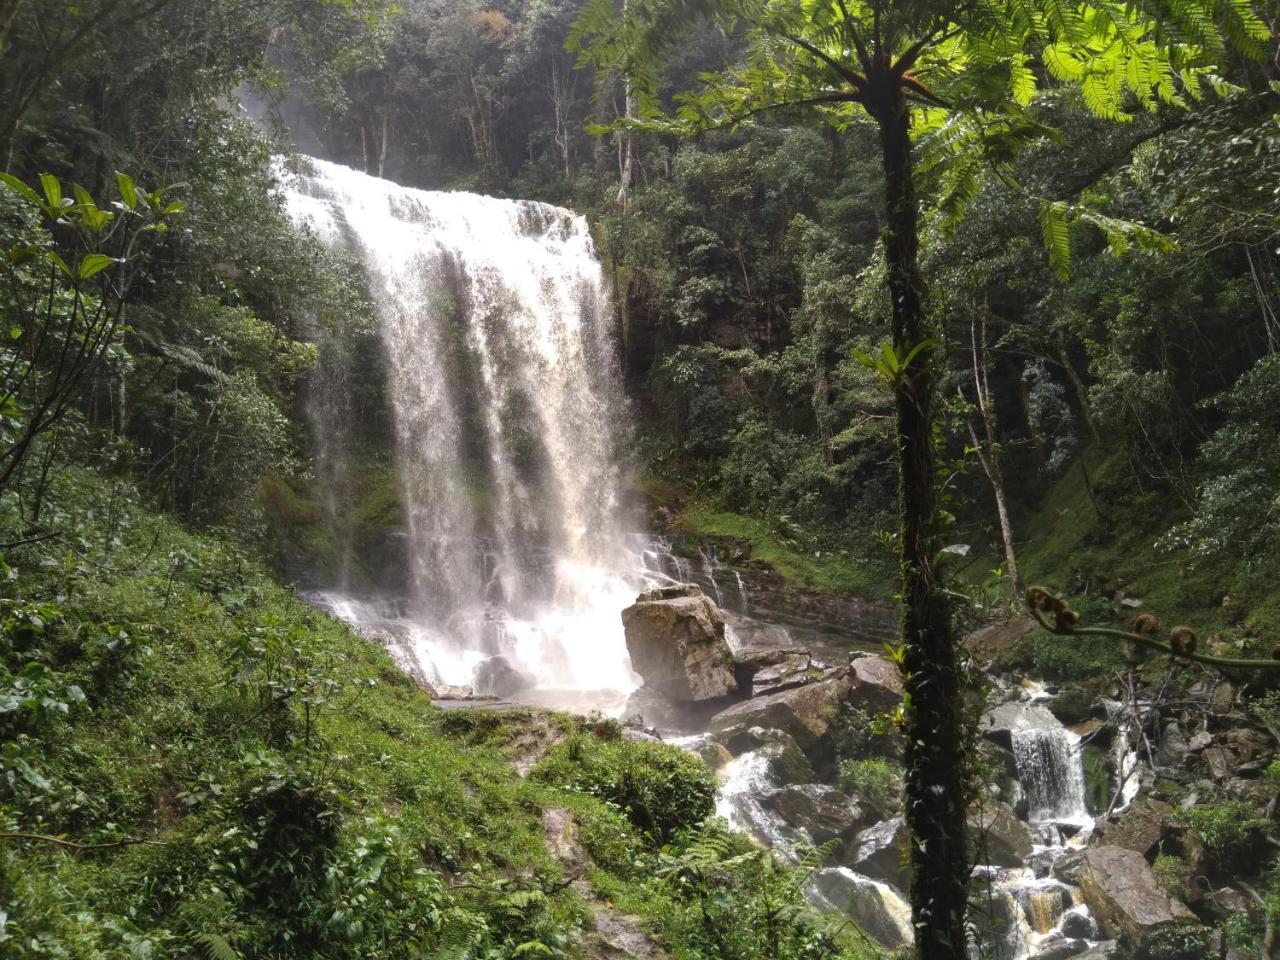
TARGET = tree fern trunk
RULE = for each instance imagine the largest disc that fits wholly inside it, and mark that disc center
(935, 785)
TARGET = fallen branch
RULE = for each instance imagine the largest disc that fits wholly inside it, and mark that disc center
(73, 844)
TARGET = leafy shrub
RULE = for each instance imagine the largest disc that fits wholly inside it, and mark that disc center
(1051, 657)
(662, 790)
(873, 778)
(1169, 872)
(1176, 943)
(1229, 829)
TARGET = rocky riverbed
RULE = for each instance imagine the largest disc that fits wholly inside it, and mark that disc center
(1082, 844)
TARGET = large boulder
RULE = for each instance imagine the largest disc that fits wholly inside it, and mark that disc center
(1003, 840)
(499, 677)
(806, 712)
(1140, 828)
(877, 684)
(675, 636)
(882, 852)
(821, 811)
(1126, 898)
(877, 910)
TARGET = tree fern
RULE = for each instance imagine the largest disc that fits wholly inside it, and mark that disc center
(214, 946)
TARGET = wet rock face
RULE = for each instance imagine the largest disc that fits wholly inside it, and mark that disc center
(880, 852)
(805, 713)
(498, 677)
(821, 811)
(878, 912)
(1140, 828)
(1126, 899)
(1004, 840)
(675, 637)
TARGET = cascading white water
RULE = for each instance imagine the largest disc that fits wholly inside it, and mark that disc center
(1050, 769)
(493, 318)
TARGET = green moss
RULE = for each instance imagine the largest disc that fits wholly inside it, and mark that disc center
(786, 550)
(1083, 545)
(1097, 780)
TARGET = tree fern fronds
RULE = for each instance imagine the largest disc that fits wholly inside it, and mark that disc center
(216, 947)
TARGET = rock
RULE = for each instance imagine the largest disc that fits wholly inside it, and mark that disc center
(821, 811)
(1224, 902)
(1248, 744)
(1199, 741)
(712, 753)
(650, 708)
(560, 832)
(499, 677)
(1077, 925)
(447, 692)
(792, 671)
(1124, 895)
(1073, 704)
(990, 640)
(1242, 788)
(1173, 749)
(881, 852)
(877, 684)
(1060, 949)
(1106, 950)
(1067, 868)
(675, 637)
(1004, 840)
(1140, 828)
(805, 713)
(877, 910)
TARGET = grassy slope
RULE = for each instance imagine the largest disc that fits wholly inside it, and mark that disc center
(273, 783)
(1078, 548)
(830, 571)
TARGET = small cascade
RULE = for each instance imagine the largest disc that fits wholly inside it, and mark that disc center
(875, 907)
(1050, 768)
(744, 782)
(743, 597)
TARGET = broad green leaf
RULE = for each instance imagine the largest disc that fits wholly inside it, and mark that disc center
(128, 190)
(23, 190)
(94, 264)
(53, 257)
(52, 190)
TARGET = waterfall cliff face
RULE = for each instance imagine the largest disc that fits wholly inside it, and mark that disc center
(494, 321)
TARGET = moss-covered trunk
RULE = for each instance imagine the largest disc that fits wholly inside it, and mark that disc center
(935, 801)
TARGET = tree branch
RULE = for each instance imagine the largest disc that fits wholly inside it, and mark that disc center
(74, 845)
(1071, 630)
(850, 76)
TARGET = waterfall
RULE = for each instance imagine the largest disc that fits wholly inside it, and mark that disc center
(494, 323)
(1050, 768)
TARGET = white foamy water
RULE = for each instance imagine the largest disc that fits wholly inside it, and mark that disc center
(494, 321)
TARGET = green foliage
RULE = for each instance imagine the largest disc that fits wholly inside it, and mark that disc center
(874, 778)
(662, 791)
(738, 902)
(1229, 829)
(1042, 654)
(1170, 871)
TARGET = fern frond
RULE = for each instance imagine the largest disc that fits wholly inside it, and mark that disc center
(216, 947)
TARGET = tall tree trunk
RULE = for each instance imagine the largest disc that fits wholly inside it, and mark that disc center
(8, 10)
(627, 152)
(935, 800)
(627, 144)
(990, 456)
